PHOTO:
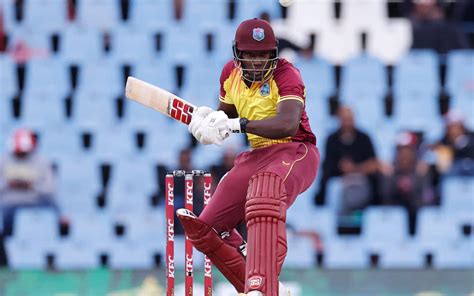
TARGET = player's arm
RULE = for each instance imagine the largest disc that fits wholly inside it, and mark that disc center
(228, 109)
(284, 124)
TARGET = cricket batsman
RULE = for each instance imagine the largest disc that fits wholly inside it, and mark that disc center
(263, 96)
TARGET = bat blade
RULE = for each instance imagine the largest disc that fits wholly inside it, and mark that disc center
(159, 99)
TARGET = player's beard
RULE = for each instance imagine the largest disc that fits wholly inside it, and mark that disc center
(253, 74)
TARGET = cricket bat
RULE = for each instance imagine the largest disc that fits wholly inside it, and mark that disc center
(159, 99)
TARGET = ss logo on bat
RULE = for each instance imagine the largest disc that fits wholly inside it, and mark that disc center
(181, 111)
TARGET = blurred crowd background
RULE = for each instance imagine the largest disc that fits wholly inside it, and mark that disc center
(390, 96)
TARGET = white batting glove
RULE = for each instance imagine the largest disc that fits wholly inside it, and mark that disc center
(213, 129)
(198, 116)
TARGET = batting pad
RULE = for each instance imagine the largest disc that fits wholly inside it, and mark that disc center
(265, 214)
(205, 239)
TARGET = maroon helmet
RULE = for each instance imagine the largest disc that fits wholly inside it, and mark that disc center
(255, 35)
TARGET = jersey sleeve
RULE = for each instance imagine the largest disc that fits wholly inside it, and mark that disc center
(224, 82)
(290, 84)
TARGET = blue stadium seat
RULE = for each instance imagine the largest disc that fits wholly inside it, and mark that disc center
(40, 41)
(434, 228)
(383, 226)
(104, 76)
(459, 74)
(202, 83)
(464, 102)
(301, 252)
(457, 254)
(417, 73)
(139, 117)
(78, 185)
(318, 77)
(33, 110)
(45, 15)
(8, 9)
(94, 110)
(457, 196)
(163, 149)
(151, 15)
(345, 252)
(160, 72)
(365, 74)
(60, 143)
(223, 37)
(247, 9)
(81, 45)
(131, 186)
(47, 76)
(317, 73)
(406, 254)
(122, 140)
(132, 45)
(383, 137)
(95, 230)
(100, 14)
(8, 77)
(145, 234)
(181, 45)
(35, 236)
(205, 15)
(75, 255)
(412, 111)
(334, 194)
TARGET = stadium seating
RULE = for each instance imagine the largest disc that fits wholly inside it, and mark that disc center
(383, 226)
(81, 45)
(345, 252)
(151, 43)
(33, 106)
(459, 77)
(338, 44)
(406, 254)
(145, 234)
(435, 229)
(310, 16)
(363, 15)
(98, 14)
(303, 251)
(32, 225)
(390, 42)
(150, 15)
(8, 77)
(45, 15)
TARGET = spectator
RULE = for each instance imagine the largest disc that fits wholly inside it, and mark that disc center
(350, 154)
(26, 179)
(432, 31)
(226, 163)
(455, 151)
(407, 180)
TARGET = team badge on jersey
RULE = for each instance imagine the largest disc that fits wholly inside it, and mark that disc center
(265, 89)
(258, 34)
